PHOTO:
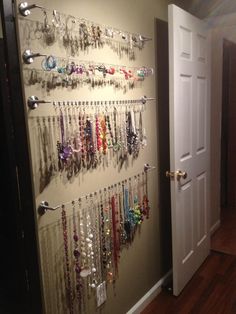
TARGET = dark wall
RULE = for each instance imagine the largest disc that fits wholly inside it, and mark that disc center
(163, 137)
(10, 265)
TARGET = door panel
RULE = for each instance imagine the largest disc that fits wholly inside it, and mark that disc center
(184, 118)
(189, 143)
(201, 115)
(201, 207)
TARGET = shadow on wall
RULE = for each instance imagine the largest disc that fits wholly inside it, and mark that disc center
(163, 137)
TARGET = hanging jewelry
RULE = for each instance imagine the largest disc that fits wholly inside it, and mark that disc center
(104, 135)
(48, 31)
(68, 282)
(127, 223)
(82, 138)
(76, 253)
(145, 203)
(115, 237)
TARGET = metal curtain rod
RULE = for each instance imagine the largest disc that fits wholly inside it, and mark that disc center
(33, 102)
(28, 58)
(25, 10)
(44, 205)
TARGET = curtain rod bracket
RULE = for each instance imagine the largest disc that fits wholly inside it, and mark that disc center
(24, 8)
(44, 206)
(144, 99)
(147, 167)
(28, 56)
(33, 102)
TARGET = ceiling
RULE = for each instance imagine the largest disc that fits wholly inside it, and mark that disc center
(207, 8)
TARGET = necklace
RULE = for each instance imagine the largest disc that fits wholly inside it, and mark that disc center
(103, 238)
(82, 138)
(76, 254)
(115, 232)
(69, 292)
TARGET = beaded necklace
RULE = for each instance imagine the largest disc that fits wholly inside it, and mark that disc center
(97, 240)
(76, 254)
(146, 207)
(115, 142)
(103, 237)
(109, 242)
(115, 232)
(69, 293)
(98, 134)
(90, 239)
(82, 138)
(89, 143)
(127, 223)
(94, 140)
(77, 144)
(103, 135)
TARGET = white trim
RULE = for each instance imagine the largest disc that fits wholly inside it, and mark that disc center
(149, 296)
(215, 227)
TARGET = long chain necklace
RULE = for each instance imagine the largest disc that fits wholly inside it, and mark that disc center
(69, 292)
(115, 246)
(76, 254)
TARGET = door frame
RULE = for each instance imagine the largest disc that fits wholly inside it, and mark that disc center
(23, 213)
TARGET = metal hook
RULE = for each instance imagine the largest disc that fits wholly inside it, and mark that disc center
(24, 8)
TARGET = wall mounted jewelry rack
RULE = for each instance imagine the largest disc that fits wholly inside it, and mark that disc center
(33, 102)
(94, 229)
(69, 66)
(80, 33)
(51, 80)
(44, 205)
(76, 140)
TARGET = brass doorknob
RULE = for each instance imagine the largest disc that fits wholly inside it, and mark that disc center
(181, 174)
(170, 174)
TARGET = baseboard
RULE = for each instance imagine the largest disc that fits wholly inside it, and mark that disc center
(149, 296)
(215, 227)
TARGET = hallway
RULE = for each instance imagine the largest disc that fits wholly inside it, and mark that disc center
(224, 239)
(213, 288)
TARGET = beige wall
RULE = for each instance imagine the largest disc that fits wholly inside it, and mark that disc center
(140, 265)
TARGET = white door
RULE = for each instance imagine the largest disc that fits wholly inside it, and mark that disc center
(189, 143)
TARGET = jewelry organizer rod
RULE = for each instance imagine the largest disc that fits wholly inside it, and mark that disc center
(33, 102)
(56, 21)
(84, 63)
(44, 205)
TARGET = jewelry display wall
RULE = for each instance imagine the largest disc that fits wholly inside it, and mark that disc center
(85, 135)
(102, 224)
(78, 34)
